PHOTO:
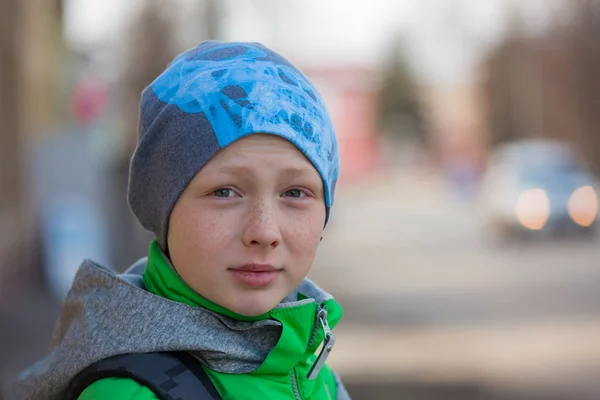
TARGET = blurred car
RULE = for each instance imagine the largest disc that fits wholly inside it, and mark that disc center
(538, 188)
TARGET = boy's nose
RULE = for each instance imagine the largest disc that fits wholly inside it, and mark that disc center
(262, 228)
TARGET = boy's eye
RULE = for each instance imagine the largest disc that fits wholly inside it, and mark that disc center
(294, 193)
(223, 193)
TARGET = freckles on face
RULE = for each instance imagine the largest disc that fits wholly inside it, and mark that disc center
(305, 233)
(197, 231)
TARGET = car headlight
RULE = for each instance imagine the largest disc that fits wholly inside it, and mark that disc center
(533, 209)
(583, 206)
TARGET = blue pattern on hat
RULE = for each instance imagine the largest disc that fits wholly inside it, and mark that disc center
(247, 88)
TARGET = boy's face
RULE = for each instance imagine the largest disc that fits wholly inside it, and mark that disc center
(245, 231)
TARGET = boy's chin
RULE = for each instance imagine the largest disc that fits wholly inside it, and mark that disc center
(253, 307)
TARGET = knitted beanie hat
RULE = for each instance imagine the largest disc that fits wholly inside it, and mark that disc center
(209, 97)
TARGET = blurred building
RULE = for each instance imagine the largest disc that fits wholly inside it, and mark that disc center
(457, 128)
(351, 97)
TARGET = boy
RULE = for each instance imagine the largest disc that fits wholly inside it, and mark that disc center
(234, 173)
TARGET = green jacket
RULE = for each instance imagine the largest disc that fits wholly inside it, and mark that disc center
(264, 357)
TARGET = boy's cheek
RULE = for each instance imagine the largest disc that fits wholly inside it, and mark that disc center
(308, 230)
(190, 219)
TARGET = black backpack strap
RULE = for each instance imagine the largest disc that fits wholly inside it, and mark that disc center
(170, 376)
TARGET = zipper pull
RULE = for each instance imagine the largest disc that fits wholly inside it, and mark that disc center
(328, 343)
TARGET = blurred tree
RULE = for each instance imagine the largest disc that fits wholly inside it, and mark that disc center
(30, 63)
(10, 162)
(582, 37)
(212, 12)
(400, 112)
(504, 103)
(508, 79)
(547, 86)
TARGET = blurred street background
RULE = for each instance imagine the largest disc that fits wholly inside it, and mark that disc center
(463, 242)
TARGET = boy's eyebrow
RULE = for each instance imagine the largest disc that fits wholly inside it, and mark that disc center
(294, 172)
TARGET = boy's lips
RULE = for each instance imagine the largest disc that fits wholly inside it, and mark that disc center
(256, 275)
(256, 268)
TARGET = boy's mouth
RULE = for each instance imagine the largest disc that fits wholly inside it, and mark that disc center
(256, 275)
(256, 268)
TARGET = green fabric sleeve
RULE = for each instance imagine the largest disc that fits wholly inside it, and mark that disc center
(117, 389)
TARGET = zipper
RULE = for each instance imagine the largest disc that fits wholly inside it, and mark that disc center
(328, 342)
(295, 385)
(322, 307)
